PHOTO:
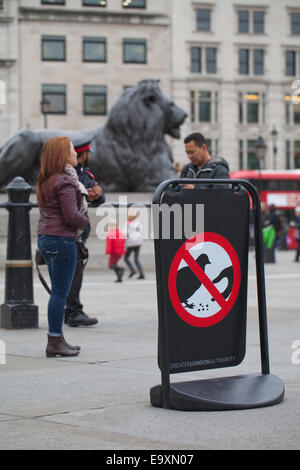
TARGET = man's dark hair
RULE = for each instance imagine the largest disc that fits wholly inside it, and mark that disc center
(197, 137)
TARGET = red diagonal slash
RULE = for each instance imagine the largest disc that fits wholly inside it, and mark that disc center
(204, 279)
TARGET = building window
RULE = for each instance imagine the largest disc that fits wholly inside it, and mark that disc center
(247, 155)
(203, 19)
(94, 49)
(54, 48)
(243, 19)
(296, 153)
(204, 106)
(244, 61)
(295, 23)
(196, 62)
(292, 154)
(211, 59)
(296, 112)
(258, 22)
(135, 51)
(252, 160)
(212, 146)
(134, 3)
(192, 106)
(94, 3)
(94, 99)
(241, 154)
(252, 108)
(290, 63)
(56, 95)
(204, 100)
(292, 109)
(197, 59)
(288, 155)
(251, 61)
(251, 21)
(53, 2)
(258, 62)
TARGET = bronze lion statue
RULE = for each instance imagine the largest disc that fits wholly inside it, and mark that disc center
(128, 153)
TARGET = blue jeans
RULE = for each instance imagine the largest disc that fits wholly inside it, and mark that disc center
(60, 254)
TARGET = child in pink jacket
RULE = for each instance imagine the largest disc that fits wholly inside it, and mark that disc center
(115, 249)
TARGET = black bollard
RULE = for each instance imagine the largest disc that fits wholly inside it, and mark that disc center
(18, 310)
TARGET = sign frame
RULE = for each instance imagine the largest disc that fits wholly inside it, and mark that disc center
(217, 394)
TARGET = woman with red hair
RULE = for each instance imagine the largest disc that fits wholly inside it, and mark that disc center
(63, 215)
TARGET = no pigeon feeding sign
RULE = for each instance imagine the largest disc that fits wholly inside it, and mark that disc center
(204, 279)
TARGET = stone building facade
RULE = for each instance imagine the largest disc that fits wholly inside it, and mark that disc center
(9, 69)
(240, 62)
(234, 66)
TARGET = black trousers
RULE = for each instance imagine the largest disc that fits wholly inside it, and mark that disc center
(136, 251)
(73, 304)
(270, 255)
(297, 254)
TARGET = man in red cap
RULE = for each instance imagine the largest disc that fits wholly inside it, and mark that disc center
(74, 315)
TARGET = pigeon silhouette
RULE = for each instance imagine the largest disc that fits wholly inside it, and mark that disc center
(187, 282)
(226, 273)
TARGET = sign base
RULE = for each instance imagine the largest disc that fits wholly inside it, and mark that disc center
(225, 393)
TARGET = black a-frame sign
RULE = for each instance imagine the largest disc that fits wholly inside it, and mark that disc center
(202, 276)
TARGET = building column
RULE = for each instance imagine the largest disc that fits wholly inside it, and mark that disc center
(275, 117)
(228, 120)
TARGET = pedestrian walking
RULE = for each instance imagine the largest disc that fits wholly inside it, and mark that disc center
(63, 215)
(271, 231)
(134, 239)
(74, 314)
(296, 225)
(115, 249)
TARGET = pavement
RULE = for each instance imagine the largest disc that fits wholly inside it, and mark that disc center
(100, 399)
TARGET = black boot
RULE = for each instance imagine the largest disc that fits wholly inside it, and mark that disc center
(80, 319)
(119, 272)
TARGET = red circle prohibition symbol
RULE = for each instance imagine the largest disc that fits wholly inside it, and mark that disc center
(184, 254)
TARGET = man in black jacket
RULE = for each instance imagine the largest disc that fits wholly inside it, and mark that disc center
(202, 165)
(74, 315)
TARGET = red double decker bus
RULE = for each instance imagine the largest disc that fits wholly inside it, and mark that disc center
(278, 187)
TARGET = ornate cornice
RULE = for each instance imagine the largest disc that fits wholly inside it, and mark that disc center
(92, 16)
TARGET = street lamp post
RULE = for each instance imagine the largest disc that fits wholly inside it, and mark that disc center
(274, 135)
(260, 149)
(45, 109)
